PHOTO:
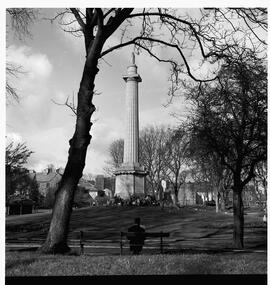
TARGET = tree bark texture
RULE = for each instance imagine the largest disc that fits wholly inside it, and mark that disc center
(222, 203)
(218, 190)
(217, 199)
(56, 241)
(238, 214)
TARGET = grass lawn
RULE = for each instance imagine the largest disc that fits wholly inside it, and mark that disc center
(34, 264)
(196, 228)
(190, 227)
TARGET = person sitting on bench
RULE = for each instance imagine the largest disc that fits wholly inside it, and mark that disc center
(136, 242)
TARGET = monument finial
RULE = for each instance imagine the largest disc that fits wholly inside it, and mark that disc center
(132, 58)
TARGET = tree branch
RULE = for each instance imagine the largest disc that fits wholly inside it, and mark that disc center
(78, 18)
(114, 22)
(134, 41)
(194, 32)
(71, 106)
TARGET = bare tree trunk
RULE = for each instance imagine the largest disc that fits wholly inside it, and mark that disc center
(218, 195)
(238, 213)
(95, 35)
(222, 203)
(174, 195)
(222, 198)
(56, 241)
(153, 191)
(217, 200)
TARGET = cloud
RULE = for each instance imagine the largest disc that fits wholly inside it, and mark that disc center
(75, 44)
(155, 116)
(49, 146)
(95, 161)
(32, 86)
(104, 132)
(13, 137)
(35, 66)
(164, 116)
(60, 97)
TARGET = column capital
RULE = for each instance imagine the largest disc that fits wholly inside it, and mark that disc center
(133, 77)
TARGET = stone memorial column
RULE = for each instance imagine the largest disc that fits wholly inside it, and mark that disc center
(130, 177)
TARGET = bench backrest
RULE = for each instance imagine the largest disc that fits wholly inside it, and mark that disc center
(145, 234)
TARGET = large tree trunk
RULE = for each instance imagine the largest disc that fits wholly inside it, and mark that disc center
(238, 214)
(95, 35)
(56, 241)
(222, 202)
(218, 190)
(217, 200)
(174, 195)
(8, 183)
(223, 198)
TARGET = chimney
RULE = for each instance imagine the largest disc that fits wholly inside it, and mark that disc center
(50, 169)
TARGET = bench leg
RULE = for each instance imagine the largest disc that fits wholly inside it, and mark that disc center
(82, 249)
(161, 245)
(121, 245)
(81, 242)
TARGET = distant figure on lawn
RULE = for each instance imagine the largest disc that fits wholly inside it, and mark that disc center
(137, 242)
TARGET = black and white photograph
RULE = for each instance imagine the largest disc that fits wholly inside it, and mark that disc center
(134, 137)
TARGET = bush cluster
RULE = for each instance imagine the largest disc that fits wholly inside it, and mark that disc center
(135, 200)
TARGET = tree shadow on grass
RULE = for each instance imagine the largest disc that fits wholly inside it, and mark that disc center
(18, 261)
(14, 263)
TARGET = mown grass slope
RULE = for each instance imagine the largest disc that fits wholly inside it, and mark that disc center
(34, 264)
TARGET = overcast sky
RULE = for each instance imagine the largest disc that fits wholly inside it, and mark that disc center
(53, 61)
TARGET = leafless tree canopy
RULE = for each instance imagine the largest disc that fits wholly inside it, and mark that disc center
(161, 152)
(20, 21)
(12, 71)
(17, 155)
(210, 35)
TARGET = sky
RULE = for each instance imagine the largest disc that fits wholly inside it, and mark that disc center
(52, 61)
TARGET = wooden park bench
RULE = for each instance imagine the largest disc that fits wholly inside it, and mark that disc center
(102, 239)
(143, 235)
(25, 241)
(75, 239)
(86, 238)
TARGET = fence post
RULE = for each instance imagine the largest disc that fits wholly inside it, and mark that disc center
(161, 243)
(81, 242)
(121, 245)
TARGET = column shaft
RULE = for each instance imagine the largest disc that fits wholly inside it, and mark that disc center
(131, 142)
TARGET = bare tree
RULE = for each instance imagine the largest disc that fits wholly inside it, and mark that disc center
(12, 71)
(175, 158)
(260, 184)
(231, 118)
(16, 157)
(116, 153)
(206, 167)
(152, 144)
(163, 27)
(152, 148)
(20, 21)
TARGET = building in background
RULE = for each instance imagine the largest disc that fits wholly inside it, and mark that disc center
(99, 182)
(47, 179)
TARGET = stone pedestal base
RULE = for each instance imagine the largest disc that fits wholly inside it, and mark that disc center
(130, 180)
